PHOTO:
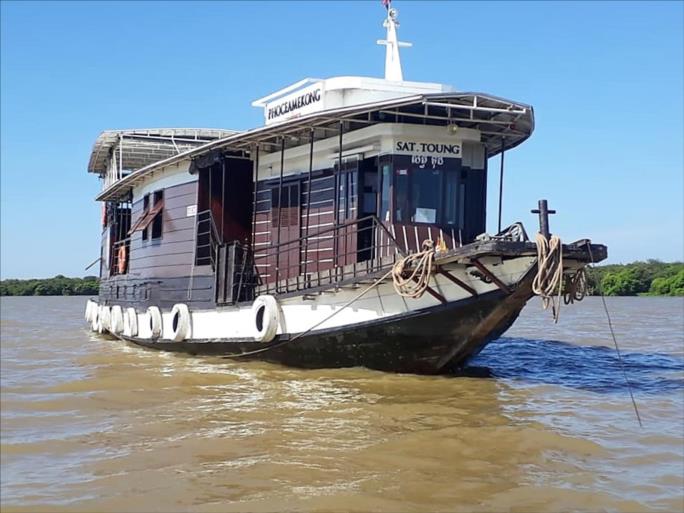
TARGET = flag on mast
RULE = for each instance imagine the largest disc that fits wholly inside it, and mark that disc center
(386, 3)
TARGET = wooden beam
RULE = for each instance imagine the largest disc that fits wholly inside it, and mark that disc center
(491, 276)
(458, 282)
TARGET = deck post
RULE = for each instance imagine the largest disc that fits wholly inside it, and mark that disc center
(336, 202)
(544, 212)
(308, 205)
(255, 163)
(501, 177)
(280, 209)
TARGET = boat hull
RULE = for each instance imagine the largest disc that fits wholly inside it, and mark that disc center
(427, 341)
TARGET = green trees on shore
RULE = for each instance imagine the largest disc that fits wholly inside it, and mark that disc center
(652, 278)
(57, 286)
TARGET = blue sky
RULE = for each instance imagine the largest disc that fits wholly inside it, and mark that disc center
(605, 78)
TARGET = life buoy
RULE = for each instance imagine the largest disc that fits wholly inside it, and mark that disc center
(131, 322)
(155, 317)
(103, 319)
(121, 259)
(266, 316)
(116, 324)
(180, 322)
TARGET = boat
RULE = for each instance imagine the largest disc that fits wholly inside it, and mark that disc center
(348, 230)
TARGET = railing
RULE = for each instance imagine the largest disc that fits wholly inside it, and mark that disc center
(339, 253)
(208, 240)
(114, 257)
(234, 279)
(346, 252)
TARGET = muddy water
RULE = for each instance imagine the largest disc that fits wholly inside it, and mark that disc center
(542, 423)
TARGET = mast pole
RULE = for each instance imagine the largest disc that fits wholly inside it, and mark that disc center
(392, 44)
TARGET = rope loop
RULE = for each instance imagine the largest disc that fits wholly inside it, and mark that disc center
(548, 280)
(411, 274)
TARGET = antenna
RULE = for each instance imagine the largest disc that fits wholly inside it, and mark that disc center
(392, 59)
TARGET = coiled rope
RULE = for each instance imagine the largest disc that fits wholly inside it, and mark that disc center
(575, 287)
(411, 274)
(548, 280)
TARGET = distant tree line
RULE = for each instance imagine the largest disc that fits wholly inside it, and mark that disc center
(652, 277)
(57, 286)
(649, 278)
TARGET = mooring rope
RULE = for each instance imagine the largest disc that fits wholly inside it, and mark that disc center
(316, 325)
(414, 283)
(549, 277)
(575, 287)
(615, 342)
(413, 286)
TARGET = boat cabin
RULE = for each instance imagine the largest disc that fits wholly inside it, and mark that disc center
(345, 174)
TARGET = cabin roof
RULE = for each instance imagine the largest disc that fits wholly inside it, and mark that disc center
(503, 125)
(141, 147)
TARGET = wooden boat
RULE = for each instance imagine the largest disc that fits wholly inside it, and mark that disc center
(348, 230)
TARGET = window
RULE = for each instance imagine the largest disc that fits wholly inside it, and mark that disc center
(418, 195)
(158, 214)
(150, 216)
(385, 177)
(285, 206)
(146, 209)
(427, 195)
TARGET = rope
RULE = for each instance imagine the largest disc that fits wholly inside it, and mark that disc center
(575, 287)
(300, 335)
(413, 284)
(547, 282)
(615, 342)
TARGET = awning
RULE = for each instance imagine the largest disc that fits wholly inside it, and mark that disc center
(141, 147)
(504, 124)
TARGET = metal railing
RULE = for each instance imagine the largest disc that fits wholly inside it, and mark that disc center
(339, 253)
(207, 240)
(114, 257)
(347, 251)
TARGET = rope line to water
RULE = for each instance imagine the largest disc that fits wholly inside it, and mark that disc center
(300, 335)
(617, 348)
(411, 285)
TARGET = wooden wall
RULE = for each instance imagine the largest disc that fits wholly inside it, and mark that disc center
(160, 271)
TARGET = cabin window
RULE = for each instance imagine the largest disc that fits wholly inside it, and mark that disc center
(146, 209)
(158, 215)
(150, 222)
(385, 191)
(427, 194)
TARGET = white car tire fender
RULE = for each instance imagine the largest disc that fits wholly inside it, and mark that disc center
(89, 311)
(155, 321)
(116, 320)
(95, 318)
(104, 318)
(131, 325)
(266, 315)
(180, 322)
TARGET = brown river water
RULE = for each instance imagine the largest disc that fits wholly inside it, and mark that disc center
(542, 421)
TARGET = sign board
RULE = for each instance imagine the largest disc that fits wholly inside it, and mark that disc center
(428, 149)
(191, 210)
(303, 101)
